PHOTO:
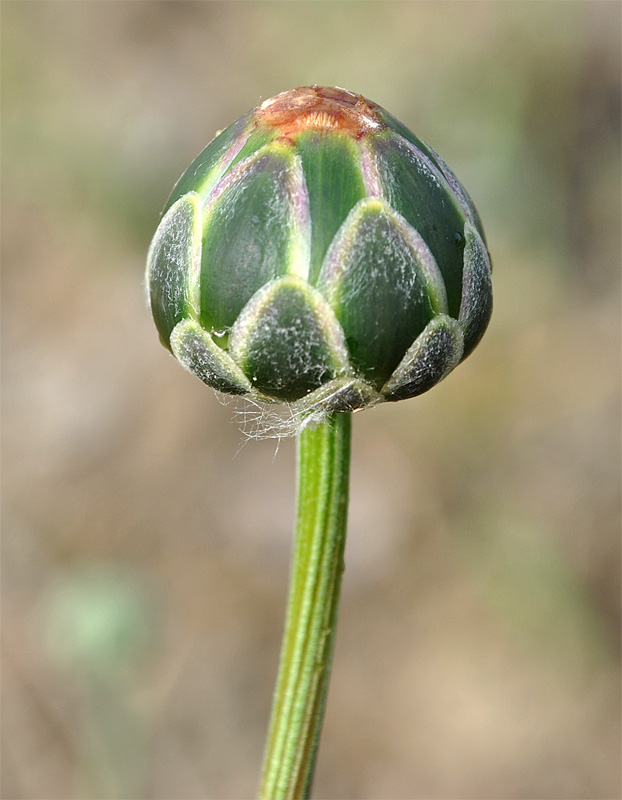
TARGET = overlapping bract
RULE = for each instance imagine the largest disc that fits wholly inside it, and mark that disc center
(317, 253)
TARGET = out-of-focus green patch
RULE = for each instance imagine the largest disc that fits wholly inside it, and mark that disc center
(99, 623)
(528, 582)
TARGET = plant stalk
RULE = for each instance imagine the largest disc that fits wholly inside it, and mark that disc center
(323, 469)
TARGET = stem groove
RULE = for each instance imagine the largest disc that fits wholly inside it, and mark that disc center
(323, 468)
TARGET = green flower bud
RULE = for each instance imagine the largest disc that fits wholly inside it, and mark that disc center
(318, 253)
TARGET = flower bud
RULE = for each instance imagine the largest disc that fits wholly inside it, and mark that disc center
(318, 253)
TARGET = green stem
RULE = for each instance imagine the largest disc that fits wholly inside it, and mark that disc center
(317, 567)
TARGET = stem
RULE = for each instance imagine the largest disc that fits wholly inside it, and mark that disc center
(315, 581)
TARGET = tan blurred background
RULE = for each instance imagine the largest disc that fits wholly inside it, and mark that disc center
(145, 551)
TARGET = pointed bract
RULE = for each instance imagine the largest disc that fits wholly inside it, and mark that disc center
(287, 340)
(196, 350)
(384, 285)
(249, 234)
(476, 306)
(432, 356)
(414, 187)
(173, 264)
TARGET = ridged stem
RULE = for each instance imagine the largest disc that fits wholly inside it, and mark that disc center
(308, 641)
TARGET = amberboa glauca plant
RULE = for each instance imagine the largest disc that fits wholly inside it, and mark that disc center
(317, 254)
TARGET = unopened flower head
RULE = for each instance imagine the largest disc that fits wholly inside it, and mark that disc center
(317, 253)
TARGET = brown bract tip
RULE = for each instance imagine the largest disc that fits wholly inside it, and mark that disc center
(320, 108)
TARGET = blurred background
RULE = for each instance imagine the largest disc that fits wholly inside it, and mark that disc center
(146, 547)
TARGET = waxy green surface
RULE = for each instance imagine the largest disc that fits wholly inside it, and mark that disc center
(246, 237)
(332, 168)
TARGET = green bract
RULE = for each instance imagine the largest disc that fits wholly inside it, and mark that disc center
(318, 253)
